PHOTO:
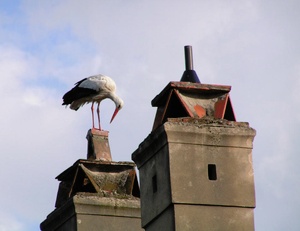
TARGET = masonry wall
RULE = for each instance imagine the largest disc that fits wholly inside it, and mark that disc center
(93, 213)
(197, 175)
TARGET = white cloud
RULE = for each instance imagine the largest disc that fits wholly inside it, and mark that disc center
(8, 223)
(140, 45)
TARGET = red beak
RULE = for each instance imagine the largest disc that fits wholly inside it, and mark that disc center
(114, 115)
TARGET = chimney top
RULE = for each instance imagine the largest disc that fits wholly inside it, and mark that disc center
(189, 75)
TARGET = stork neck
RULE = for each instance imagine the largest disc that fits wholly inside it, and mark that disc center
(116, 99)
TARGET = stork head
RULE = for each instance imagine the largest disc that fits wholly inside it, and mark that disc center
(119, 104)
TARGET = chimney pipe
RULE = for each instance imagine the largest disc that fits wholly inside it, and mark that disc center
(188, 54)
(189, 75)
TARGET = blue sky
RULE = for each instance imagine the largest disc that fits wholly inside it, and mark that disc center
(47, 46)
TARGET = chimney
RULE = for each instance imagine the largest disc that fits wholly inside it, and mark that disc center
(195, 167)
(98, 145)
(96, 193)
(189, 75)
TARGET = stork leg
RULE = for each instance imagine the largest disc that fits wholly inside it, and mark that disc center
(98, 113)
(92, 109)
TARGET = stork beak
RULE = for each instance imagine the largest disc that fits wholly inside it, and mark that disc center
(114, 115)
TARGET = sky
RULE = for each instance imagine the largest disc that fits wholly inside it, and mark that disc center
(47, 46)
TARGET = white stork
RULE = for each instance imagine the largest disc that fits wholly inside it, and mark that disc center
(90, 90)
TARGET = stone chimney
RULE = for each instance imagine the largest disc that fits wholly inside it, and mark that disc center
(195, 167)
(96, 193)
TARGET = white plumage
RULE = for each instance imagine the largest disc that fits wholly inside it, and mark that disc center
(90, 90)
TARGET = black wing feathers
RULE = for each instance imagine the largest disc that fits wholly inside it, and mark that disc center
(77, 93)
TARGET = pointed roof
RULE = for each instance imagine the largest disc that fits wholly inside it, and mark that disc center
(196, 100)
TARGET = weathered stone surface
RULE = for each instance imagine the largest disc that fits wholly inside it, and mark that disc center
(190, 183)
(174, 163)
(87, 211)
(96, 176)
(213, 218)
(154, 203)
(202, 218)
(165, 221)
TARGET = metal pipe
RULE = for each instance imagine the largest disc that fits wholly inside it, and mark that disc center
(189, 75)
(188, 52)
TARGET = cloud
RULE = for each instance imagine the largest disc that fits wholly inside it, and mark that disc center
(48, 46)
(36, 141)
(8, 223)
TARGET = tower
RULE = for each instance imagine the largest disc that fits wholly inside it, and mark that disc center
(195, 167)
(96, 193)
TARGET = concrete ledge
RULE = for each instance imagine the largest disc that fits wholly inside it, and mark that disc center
(88, 211)
(205, 131)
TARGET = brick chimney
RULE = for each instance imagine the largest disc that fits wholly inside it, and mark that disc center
(195, 167)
